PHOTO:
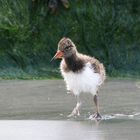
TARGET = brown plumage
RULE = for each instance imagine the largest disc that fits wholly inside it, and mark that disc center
(77, 60)
(81, 73)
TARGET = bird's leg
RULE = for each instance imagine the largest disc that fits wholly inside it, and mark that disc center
(76, 111)
(69, 91)
(97, 114)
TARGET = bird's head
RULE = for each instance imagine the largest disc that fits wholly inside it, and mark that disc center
(66, 48)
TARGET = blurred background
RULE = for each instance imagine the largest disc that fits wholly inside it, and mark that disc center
(31, 29)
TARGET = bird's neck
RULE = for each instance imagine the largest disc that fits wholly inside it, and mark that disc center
(74, 63)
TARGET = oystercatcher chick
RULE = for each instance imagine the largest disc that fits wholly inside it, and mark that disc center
(82, 73)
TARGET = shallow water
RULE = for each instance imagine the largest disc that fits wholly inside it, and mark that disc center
(115, 129)
(47, 101)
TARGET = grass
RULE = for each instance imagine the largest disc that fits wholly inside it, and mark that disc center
(106, 29)
(16, 73)
(49, 73)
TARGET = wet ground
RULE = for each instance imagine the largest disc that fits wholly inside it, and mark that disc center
(41, 108)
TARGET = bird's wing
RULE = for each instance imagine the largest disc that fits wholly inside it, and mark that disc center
(95, 64)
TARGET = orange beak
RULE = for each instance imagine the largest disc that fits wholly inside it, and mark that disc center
(59, 54)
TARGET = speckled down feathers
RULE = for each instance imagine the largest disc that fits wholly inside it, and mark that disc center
(89, 76)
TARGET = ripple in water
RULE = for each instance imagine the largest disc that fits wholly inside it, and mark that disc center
(121, 116)
(118, 116)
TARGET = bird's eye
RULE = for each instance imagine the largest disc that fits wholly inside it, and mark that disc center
(67, 48)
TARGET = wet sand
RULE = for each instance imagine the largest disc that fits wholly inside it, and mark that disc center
(47, 101)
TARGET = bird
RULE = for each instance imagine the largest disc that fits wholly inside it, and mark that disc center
(81, 73)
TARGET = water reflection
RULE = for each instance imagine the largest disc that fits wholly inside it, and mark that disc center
(50, 130)
(79, 131)
(117, 127)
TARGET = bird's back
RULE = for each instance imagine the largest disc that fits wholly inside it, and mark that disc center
(95, 65)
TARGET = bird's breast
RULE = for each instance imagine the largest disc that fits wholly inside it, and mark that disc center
(85, 81)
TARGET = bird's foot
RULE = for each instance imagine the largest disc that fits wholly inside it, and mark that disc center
(75, 112)
(95, 116)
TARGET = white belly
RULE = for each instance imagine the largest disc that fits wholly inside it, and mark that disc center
(85, 81)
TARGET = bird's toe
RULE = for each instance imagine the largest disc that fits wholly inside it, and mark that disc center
(95, 116)
(75, 112)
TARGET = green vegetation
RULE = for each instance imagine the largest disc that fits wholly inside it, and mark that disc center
(31, 29)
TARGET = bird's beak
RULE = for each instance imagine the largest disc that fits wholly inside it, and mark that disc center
(59, 54)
